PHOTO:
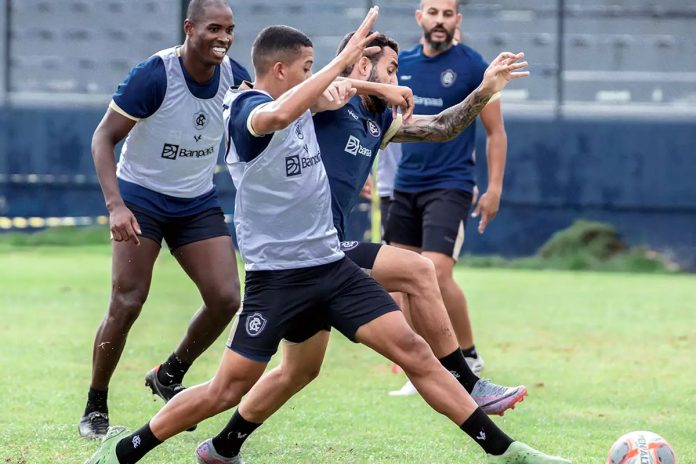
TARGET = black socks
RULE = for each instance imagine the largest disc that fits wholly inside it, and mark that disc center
(96, 401)
(172, 371)
(486, 434)
(470, 352)
(456, 364)
(230, 440)
(132, 448)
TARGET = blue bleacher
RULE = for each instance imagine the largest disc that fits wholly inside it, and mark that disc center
(88, 45)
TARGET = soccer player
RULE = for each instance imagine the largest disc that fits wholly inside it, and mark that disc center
(298, 279)
(348, 139)
(170, 109)
(434, 182)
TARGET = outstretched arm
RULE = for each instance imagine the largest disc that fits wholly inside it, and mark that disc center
(282, 112)
(451, 122)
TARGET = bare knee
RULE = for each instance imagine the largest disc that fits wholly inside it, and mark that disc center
(296, 379)
(126, 305)
(414, 353)
(224, 303)
(443, 274)
(220, 398)
(423, 275)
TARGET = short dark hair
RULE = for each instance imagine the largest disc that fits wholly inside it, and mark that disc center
(457, 4)
(277, 44)
(380, 41)
(197, 7)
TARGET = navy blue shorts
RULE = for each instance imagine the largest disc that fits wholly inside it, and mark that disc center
(433, 220)
(364, 254)
(296, 304)
(180, 231)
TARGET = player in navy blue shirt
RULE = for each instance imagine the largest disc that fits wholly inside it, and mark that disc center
(434, 182)
(170, 109)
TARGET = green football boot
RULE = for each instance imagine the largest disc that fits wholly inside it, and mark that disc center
(519, 453)
(106, 454)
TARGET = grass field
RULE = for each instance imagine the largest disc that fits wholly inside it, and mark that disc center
(602, 354)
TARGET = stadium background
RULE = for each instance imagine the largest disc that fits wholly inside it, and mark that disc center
(604, 129)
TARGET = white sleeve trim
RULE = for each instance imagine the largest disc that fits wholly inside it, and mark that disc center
(396, 124)
(250, 128)
(120, 111)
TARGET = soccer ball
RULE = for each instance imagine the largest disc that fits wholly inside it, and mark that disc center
(641, 448)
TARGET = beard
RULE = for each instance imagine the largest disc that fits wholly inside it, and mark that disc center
(438, 45)
(372, 103)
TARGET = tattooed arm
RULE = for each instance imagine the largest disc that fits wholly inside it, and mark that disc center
(451, 122)
(446, 125)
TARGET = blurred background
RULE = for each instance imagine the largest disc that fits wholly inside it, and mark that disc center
(604, 129)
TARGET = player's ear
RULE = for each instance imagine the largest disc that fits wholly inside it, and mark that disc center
(279, 70)
(188, 27)
(364, 66)
(419, 16)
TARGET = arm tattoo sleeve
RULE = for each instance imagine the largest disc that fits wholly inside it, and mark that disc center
(443, 126)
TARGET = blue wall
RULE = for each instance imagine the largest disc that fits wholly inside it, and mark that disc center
(637, 174)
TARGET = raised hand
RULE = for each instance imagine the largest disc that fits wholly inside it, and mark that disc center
(398, 96)
(335, 96)
(504, 68)
(355, 48)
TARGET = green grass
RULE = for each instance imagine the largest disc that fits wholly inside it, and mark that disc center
(602, 354)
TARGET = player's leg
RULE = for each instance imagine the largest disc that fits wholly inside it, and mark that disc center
(300, 365)
(200, 243)
(391, 336)
(401, 270)
(131, 274)
(235, 376)
(444, 220)
(259, 329)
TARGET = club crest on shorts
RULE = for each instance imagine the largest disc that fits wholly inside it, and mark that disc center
(200, 120)
(447, 78)
(255, 324)
(345, 246)
(373, 128)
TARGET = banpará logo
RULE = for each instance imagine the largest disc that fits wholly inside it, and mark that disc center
(353, 147)
(447, 78)
(349, 245)
(292, 165)
(427, 101)
(169, 151)
(255, 324)
(373, 128)
(200, 120)
(184, 153)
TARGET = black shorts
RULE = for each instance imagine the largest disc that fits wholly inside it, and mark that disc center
(384, 204)
(296, 304)
(364, 254)
(433, 220)
(180, 231)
